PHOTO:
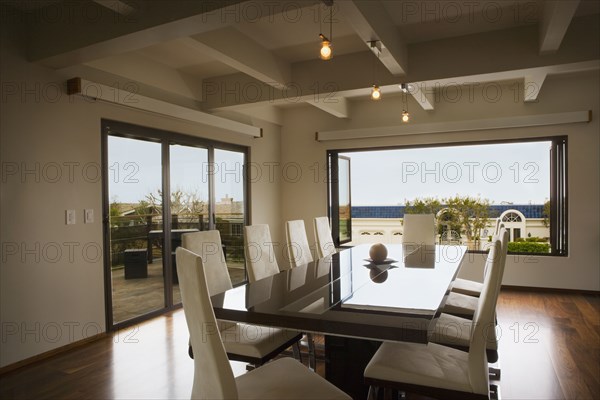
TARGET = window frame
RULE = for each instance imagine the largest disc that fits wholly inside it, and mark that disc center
(558, 218)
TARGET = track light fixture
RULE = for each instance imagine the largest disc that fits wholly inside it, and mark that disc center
(405, 116)
(326, 52)
(405, 88)
(375, 46)
(375, 93)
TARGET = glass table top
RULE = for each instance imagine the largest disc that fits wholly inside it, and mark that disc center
(345, 294)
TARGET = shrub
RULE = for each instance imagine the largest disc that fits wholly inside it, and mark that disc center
(528, 247)
(536, 239)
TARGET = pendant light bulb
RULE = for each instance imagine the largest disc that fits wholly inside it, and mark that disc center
(405, 116)
(326, 52)
(375, 93)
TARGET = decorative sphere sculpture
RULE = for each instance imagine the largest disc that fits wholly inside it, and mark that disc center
(378, 253)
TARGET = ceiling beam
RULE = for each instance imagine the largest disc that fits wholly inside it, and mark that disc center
(508, 54)
(125, 98)
(84, 39)
(556, 18)
(423, 97)
(532, 85)
(137, 68)
(519, 121)
(371, 21)
(117, 6)
(237, 50)
(254, 115)
(336, 106)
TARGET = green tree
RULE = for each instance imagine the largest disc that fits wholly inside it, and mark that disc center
(473, 214)
(466, 215)
(546, 213)
(181, 202)
(114, 209)
(426, 205)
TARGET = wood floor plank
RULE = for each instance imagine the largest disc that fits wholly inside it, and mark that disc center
(549, 349)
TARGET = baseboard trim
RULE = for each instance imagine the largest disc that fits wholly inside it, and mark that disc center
(549, 290)
(62, 349)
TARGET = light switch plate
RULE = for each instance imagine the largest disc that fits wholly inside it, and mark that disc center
(88, 216)
(70, 217)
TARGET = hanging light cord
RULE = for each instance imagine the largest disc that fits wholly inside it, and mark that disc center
(331, 22)
(319, 16)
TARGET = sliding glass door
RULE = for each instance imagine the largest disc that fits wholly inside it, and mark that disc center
(340, 202)
(189, 198)
(230, 209)
(159, 186)
(135, 215)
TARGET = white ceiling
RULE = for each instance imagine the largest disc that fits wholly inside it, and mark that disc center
(279, 48)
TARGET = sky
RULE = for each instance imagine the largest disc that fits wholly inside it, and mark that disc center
(135, 170)
(517, 173)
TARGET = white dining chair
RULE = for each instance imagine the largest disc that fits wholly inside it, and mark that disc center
(260, 254)
(297, 243)
(464, 305)
(285, 378)
(325, 246)
(451, 330)
(261, 263)
(252, 344)
(299, 254)
(419, 229)
(470, 287)
(436, 370)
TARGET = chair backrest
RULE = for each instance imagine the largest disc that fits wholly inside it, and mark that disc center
(497, 227)
(213, 377)
(260, 256)
(297, 243)
(502, 235)
(207, 244)
(419, 229)
(483, 319)
(325, 246)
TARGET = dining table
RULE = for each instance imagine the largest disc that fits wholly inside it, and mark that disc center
(354, 302)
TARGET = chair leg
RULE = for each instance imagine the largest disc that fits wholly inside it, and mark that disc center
(312, 360)
(494, 373)
(250, 366)
(372, 395)
(296, 350)
(373, 392)
(494, 392)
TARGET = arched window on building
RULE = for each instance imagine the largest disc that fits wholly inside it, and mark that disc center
(515, 223)
(511, 217)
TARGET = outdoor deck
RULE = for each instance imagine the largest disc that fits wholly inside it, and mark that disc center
(134, 297)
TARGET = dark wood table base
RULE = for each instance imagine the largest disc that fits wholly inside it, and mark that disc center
(345, 362)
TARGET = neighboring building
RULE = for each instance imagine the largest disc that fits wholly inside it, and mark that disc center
(372, 224)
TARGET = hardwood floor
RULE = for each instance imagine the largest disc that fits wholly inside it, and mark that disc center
(549, 349)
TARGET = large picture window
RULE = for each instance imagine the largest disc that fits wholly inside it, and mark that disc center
(471, 188)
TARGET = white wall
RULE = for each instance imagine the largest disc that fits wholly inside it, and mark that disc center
(307, 198)
(50, 299)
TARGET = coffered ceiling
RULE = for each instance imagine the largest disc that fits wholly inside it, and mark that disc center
(255, 57)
